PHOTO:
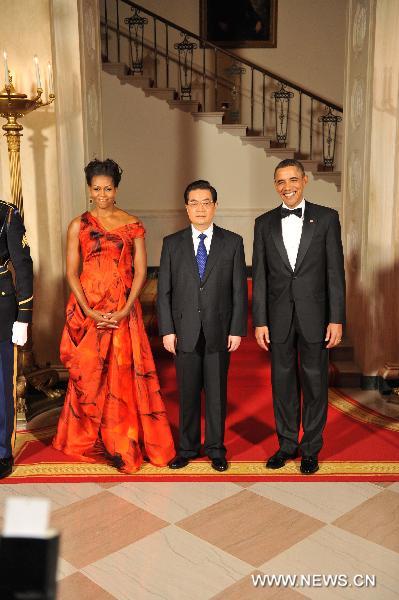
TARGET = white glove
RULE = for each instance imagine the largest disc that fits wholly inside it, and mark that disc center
(19, 333)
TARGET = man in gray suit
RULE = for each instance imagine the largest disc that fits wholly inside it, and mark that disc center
(202, 315)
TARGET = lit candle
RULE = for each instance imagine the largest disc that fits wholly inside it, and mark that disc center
(50, 79)
(39, 83)
(6, 82)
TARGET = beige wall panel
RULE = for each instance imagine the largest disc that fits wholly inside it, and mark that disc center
(76, 41)
(25, 31)
(90, 68)
(356, 160)
(56, 140)
(370, 186)
(382, 247)
(70, 136)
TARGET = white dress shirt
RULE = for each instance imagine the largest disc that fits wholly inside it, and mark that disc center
(292, 230)
(207, 241)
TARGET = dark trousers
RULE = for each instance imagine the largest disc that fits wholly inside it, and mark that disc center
(7, 402)
(199, 370)
(289, 377)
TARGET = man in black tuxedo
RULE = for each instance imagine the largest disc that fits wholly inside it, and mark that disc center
(298, 310)
(202, 315)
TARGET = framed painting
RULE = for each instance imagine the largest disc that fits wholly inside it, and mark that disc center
(239, 23)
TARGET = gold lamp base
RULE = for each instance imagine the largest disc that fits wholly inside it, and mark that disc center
(37, 388)
(30, 378)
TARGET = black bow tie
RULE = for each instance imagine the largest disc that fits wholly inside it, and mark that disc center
(285, 212)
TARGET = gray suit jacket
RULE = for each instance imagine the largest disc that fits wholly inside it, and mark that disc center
(218, 303)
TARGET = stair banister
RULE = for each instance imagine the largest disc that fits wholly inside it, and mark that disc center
(217, 76)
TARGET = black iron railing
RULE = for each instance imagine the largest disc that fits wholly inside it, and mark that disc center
(219, 80)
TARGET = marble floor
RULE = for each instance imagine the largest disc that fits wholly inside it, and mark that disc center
(385, 405)
(196, 541)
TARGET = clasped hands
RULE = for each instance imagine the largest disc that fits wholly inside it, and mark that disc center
(109, 320)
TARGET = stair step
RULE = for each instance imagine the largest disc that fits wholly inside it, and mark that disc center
(310, 165)
(137, 80)
(233, 129)
(215, 118)
(191, 106)
(342, 352)
(281, 152)
(161, 93)
(119, 69)
(260, 141)
(347, 374)
(330, 176)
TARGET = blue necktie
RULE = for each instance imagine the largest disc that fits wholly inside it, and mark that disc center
(202, 255)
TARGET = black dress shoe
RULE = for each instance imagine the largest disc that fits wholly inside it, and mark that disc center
(6, 467)
(309, 465)
(219, 464)
(179, 462)
(279, 459)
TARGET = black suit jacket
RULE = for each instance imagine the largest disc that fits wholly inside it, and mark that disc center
(317, 285)
(15, 302)
(218, 303)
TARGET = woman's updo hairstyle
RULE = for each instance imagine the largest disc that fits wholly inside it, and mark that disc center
(107, 167)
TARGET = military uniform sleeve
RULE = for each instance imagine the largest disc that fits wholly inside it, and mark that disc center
(19, 250)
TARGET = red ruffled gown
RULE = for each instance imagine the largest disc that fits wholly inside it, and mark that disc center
(113, 403)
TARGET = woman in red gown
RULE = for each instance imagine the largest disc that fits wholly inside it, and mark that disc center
(113, 403)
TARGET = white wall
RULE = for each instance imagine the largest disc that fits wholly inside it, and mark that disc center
(161, 150)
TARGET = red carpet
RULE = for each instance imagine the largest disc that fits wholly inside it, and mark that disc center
(360, 444)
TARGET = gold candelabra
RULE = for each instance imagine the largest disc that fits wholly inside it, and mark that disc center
(14, 105)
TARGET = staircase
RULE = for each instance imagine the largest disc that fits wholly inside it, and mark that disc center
(171, 96)
(217, 86)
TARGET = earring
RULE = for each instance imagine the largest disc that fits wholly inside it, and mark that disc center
(91, 200)
(114, 201)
